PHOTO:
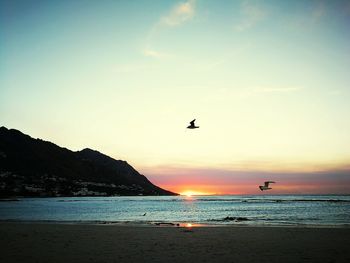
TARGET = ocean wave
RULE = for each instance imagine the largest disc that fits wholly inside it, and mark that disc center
(236, 201)
(195, 199)
(88, 200)
(229, 219)
(319, 200)
(117, 200)
(274, 200)
(218, 200)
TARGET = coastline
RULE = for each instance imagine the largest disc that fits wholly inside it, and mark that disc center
(72, 242)
(172, 224)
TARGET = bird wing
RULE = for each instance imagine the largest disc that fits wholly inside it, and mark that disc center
(268, 182)
(192, 122)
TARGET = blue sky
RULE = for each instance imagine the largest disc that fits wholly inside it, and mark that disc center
(268, 81)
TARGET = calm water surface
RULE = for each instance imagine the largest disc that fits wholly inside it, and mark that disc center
(257, 210)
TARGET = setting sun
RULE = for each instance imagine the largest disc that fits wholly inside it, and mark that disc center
(192, 193)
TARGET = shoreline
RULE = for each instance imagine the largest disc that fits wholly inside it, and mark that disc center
(43, 242)
(173, 224)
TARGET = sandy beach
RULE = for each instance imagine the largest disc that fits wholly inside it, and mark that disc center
(40, 242)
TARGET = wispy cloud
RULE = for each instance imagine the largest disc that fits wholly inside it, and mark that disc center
(228, 93)
(251, 15)
(307, 20)
(335, 92)
(224, 58)
(265, 90)
(276, 89)
(131, 68)
(180, 14)
(154, 54)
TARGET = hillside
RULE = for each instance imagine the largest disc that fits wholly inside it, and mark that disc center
(33, 167)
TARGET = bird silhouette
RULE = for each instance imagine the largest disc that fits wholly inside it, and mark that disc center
(266, 185)
(192, 126)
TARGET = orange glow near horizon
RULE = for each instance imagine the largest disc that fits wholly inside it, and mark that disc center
(191, 182)
(213, 189)
(192, 193)
(252, 189)
(207, 190)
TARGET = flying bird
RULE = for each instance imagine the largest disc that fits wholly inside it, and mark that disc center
(266, 185)
(192, 126)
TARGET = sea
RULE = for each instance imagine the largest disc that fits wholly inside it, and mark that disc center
(267, 210)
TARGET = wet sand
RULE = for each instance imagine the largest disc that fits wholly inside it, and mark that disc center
(40, 242)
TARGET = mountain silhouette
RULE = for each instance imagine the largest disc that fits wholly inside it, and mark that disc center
(34, 167)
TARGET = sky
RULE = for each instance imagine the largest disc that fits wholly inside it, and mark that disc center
(267, 82)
